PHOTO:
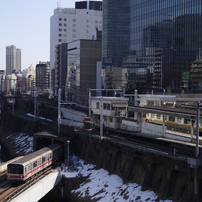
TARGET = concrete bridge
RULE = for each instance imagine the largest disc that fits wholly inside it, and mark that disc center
(39, 189)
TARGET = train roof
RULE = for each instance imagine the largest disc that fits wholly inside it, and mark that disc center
(36, 155)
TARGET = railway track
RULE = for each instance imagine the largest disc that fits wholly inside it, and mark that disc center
(10, 191)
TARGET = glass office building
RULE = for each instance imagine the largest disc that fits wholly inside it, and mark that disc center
(154, 44)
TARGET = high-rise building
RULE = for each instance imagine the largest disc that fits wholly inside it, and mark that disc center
(70, 24)
(153, 44)
(13, 59)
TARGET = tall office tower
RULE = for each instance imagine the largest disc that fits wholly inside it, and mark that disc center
(70, 24)
(13, 59)
(152, 44)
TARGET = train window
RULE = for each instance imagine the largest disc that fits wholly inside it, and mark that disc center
(35, 164)
(15, 169)
(43, 160)
(158, 116)
(152, 116)
(172, 118)
(186, 121)
(179, 120)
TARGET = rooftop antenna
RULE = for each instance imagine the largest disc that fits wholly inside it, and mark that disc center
(59, 4)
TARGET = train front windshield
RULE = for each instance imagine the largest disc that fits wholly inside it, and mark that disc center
(15, 169)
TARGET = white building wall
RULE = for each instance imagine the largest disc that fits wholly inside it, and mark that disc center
(79, 23)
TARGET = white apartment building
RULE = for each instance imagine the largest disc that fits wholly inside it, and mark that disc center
(13, 59)
(69, 24)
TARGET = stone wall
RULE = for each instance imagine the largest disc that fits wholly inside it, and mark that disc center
(170, 179)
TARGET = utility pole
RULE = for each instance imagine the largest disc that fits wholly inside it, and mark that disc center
(13, 103)
(34, 106)
(101, 118)
(197, 129)
(89, 102)
(59, 109)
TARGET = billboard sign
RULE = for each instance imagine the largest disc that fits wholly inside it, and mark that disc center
(107, 61)
(185, 75)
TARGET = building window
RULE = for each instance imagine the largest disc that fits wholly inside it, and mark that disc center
(87, 21)
(108, 106)
(111, 119)
(100, 27)
(60, 19)
(74, 20)
(74, 30)
(74, 25)
(100, 22)
(65, 19)
(65, 35)
(105, 106)
(65, 24)
(97, 105)
(60, 29)
(65, 30)
(87, 26)
(60, 40)
(87, 31)
(65, 40)
(60, 34)
(96, 21)
(60, 24)
(74, 35)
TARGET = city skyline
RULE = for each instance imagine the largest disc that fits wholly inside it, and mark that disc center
(27, 25)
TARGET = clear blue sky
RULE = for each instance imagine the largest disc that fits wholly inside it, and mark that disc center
(26, 25)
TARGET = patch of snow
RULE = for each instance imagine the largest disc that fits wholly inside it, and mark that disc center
(22, 142)
(104, 187)
(39, 117)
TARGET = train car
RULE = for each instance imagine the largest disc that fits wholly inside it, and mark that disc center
(174, 123)
(22, 169)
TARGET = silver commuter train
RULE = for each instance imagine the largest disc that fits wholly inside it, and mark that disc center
(23, 168)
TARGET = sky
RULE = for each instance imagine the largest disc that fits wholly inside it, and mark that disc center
(26, 25)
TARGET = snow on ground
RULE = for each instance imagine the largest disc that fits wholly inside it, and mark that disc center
(22, 142)
(39, 117)
(104, 187)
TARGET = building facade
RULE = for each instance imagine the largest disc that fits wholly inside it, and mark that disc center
(60, 66)
(13, 59)
(42, 76)
(82, 67)
(70, 24)
(153, 42)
